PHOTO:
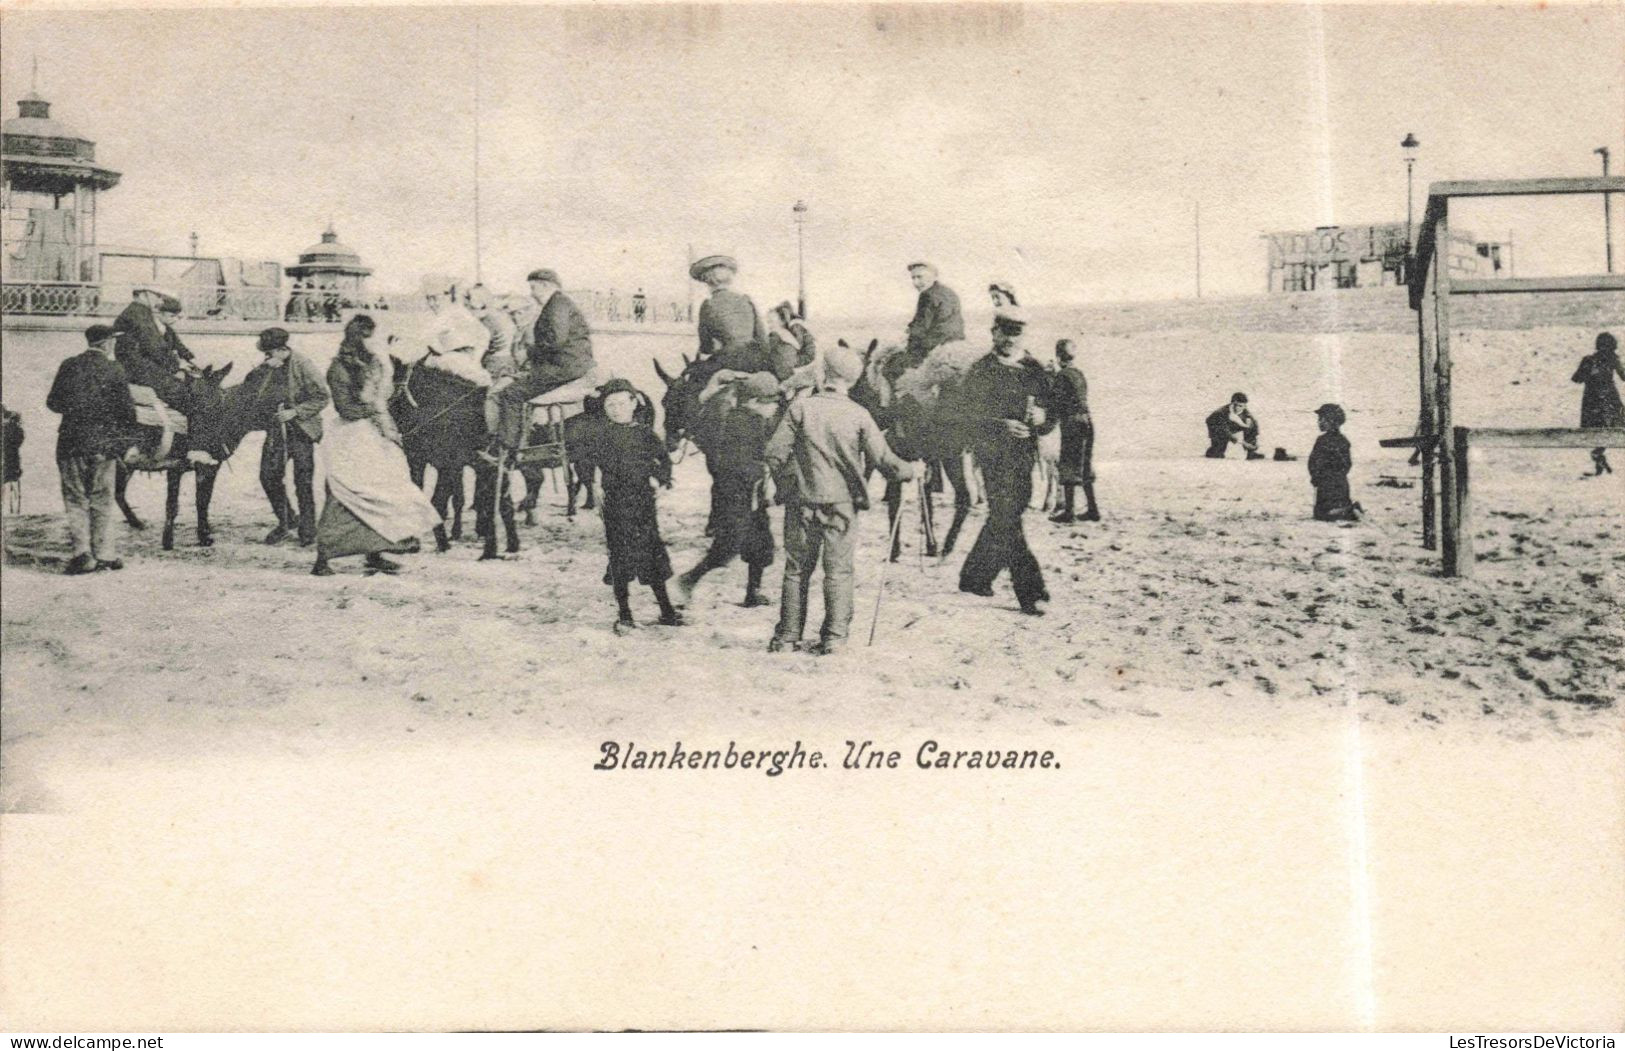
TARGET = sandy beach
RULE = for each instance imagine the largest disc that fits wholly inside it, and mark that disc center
(1265, 724)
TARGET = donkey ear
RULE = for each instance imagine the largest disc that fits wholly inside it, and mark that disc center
(219, 377)
(873, 343)
(686, 363)
(842, 343)
(664, 377)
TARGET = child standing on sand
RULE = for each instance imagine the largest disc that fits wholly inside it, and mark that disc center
(1329, 463)
(630, 458)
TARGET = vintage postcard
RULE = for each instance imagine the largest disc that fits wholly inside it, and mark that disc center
(1101, 516)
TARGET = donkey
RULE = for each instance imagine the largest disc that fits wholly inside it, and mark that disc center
(933, 434)
(221, 418)
(441, 418)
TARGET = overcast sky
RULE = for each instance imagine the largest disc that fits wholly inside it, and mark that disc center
(1060, 148)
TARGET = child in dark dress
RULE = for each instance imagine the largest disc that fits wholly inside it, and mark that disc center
(630, 458)
(739, 481)
(1329, 463)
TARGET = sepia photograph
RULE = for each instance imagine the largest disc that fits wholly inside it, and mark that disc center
(808, 517)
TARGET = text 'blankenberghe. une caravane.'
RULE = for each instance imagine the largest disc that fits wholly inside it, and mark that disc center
(859, 755)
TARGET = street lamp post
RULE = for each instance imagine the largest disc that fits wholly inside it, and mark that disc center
(801, 259)
(1410, 146)
(1607, 218)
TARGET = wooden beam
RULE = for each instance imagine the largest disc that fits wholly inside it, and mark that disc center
(1450, 522)
(1526, 187)
(1547, 437)
(1415, 441)
(1429, 426)
(1472, 286)
(1464, 505)
(1440, 192)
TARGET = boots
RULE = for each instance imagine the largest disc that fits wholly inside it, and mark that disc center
(1092, 512)
(1066, 515)
(753, 590)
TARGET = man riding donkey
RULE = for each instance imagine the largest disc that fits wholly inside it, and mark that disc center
(153, 356)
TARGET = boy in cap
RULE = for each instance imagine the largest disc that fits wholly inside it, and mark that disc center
(1071, 406)
(817, 455)
(92, 394)
(739, 485)
(1329, 463)
(630, 458)
(298, 429)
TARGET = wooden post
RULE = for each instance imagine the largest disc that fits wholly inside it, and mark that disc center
(1428, 420)
(1451, 524)
(1464, 505)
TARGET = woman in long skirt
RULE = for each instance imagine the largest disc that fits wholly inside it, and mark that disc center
(372, 505)
(1599, 402)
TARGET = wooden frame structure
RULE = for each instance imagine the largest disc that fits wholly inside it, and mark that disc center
(1430, 292)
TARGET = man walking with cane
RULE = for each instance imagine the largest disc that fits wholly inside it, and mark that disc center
(817, 456)
(298, 429)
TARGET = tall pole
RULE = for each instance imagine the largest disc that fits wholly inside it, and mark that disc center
(801, 259)
(477, 253)
(1607, 219)
(1410, 234)
(1410, 144)
(1198, 249)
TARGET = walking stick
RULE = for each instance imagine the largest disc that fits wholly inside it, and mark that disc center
(919, 508)
(881, 589)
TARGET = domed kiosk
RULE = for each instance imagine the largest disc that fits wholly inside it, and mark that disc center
(331, 265)
(49, 198)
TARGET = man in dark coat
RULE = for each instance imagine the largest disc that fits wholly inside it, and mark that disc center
(92, 394)
(1006, 401)
(1229, 423)
(299, 427)
(937, 319)
(730, 329)
(150, 352)
(560, 351)
(1077, 465)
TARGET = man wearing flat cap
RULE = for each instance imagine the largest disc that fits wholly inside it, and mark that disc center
(150, 352)
(559, 351)
(731, 332)
(303, 396)
(937, 319)
(92, 394)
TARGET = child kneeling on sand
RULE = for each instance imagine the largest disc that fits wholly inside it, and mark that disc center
(740, 484)
(1329, 463)
(630, 458)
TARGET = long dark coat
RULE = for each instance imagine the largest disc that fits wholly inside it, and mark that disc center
(1329, 463)
(631, 460)
(1599, 401)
